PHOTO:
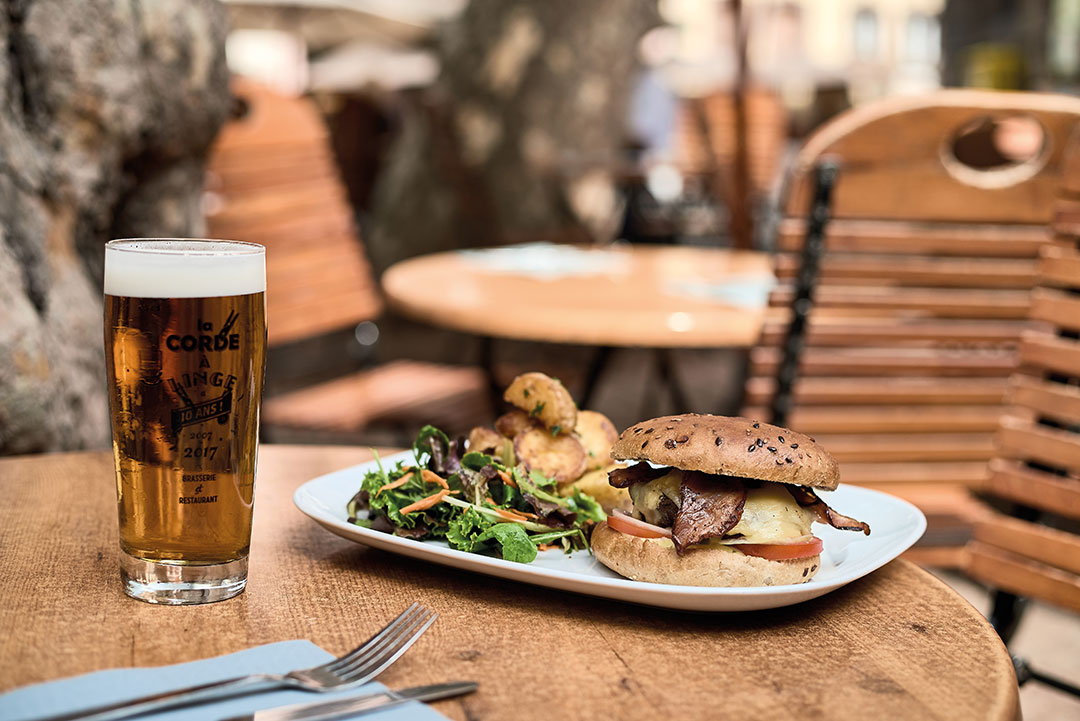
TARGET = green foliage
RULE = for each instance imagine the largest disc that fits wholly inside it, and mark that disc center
(586, 506)
(465, 529)
(514, 543)
(490, 508)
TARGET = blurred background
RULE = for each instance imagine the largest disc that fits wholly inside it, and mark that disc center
(351, 135)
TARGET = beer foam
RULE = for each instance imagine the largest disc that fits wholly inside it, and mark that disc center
(183, 268)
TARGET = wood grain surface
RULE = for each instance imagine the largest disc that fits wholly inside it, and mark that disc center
(897, 644)
(655, 297)
(898, 162)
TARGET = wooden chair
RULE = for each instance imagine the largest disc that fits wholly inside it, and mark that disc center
(705, 139)
(1034, 550)
(922, 295)
(272, 179)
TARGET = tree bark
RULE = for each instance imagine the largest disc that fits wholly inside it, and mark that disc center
(108, 109)
(521, 139)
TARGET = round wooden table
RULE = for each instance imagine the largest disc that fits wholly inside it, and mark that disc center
(619, 296)
(622, 295)
(895, 645)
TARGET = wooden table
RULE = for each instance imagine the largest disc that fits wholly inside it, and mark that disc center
(645, 296)
(895, 645)
(619, 296)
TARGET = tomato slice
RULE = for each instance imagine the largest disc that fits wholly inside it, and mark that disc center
(780, 552)
(633, 527)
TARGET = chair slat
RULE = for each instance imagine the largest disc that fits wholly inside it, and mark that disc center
(1047, 352)
(1060, 267)
(953, 558)
(890, 361)
(1047, 545)
(909, 447)
(875, 391)
(1070, 173)
(889, 419)
(966, 473)
(930, 302)
(1025, 440)
(1056, 307)
(968, 241)
(939, 499)
(1046, 491)
(290, 232)
(896, 331)
(1013, 572)
(918, 271)
(1045, 398)
(1066, 219)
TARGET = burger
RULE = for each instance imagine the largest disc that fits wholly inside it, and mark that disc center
(718, 501)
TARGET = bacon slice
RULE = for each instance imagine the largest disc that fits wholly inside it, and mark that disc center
(806, 498)
(637, 473)
(711, 506)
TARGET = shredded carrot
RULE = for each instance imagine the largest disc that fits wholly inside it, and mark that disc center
(425, 475)
(507, 479)
(547, 546)
(515, 515)
(433, 477)
(394, 484)
(425, 503)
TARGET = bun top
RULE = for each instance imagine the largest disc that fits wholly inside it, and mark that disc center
(731, 447)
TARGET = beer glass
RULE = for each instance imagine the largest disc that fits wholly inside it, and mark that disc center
(185, 346)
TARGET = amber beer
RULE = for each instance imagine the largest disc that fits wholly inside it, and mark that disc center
(185, 343)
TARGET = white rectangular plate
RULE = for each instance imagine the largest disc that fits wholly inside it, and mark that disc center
(895, 524)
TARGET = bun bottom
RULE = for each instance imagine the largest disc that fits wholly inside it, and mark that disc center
(654, 560)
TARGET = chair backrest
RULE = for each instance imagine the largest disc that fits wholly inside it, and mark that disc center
(1037, 464)
(272, 179)
(705, 138)
(924, 287)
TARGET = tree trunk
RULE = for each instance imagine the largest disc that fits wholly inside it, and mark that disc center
(108, 109)
(522, 137)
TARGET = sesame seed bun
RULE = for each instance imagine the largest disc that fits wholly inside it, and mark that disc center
(729, 446)
(654, 560)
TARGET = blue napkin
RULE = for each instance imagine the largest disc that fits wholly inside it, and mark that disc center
(103, 687)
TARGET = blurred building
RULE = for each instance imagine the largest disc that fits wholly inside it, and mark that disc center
(815, 53)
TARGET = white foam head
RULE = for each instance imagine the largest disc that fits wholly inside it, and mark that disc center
(183, 268)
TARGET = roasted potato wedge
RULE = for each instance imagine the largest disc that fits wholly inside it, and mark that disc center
(595, 483)
(510, 424)
(597, 433)
(484, 440)
(544, 399)
(561, 457)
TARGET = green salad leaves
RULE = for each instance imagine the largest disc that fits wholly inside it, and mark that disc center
(472, 501)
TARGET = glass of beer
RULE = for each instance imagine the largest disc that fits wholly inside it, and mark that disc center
(185, 347)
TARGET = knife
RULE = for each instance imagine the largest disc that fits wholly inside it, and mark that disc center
(356, 705)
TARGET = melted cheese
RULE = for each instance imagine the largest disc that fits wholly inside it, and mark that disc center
(770, 515)
(646, 496)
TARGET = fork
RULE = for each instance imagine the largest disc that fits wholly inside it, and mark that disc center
(355, 668)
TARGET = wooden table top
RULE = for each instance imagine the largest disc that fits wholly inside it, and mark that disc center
(897, 644)
(645, 296)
